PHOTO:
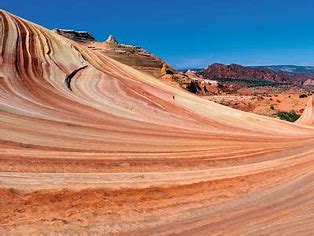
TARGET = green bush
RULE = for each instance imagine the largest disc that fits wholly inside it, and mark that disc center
(288, 116)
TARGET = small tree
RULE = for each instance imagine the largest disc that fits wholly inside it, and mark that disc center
(291, 116)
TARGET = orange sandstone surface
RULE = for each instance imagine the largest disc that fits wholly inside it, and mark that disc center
(89, 145)
(307, 117)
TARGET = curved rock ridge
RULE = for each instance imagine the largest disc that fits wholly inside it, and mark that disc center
(90, 145)
(307, 117)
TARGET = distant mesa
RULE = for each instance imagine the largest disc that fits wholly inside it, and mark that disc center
(309, 82)
(277, 74)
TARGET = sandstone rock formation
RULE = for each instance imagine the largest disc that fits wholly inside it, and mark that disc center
(80, 36)
(309, 82)
(131, 55)
(90, 145)
(201, 86)
(111, 39)
(307, 117)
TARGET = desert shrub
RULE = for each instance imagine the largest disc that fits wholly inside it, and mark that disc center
(303, 96)
(272, 107)
(291, 116)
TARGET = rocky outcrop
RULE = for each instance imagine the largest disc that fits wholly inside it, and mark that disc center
(309, 82)
(131, 55)
(111, 39)
(138, 58)
(79, 36)
(202, 86)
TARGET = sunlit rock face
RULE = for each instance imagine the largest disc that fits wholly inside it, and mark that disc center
(93, 146)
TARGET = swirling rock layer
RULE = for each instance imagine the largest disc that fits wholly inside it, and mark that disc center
(90, 145)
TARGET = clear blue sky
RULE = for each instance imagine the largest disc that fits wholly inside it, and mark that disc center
(189, 33)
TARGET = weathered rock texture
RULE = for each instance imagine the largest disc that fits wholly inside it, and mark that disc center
(79, 36)
(89, 145)
(131, 55)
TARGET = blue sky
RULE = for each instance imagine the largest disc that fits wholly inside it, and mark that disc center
(189, 33)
